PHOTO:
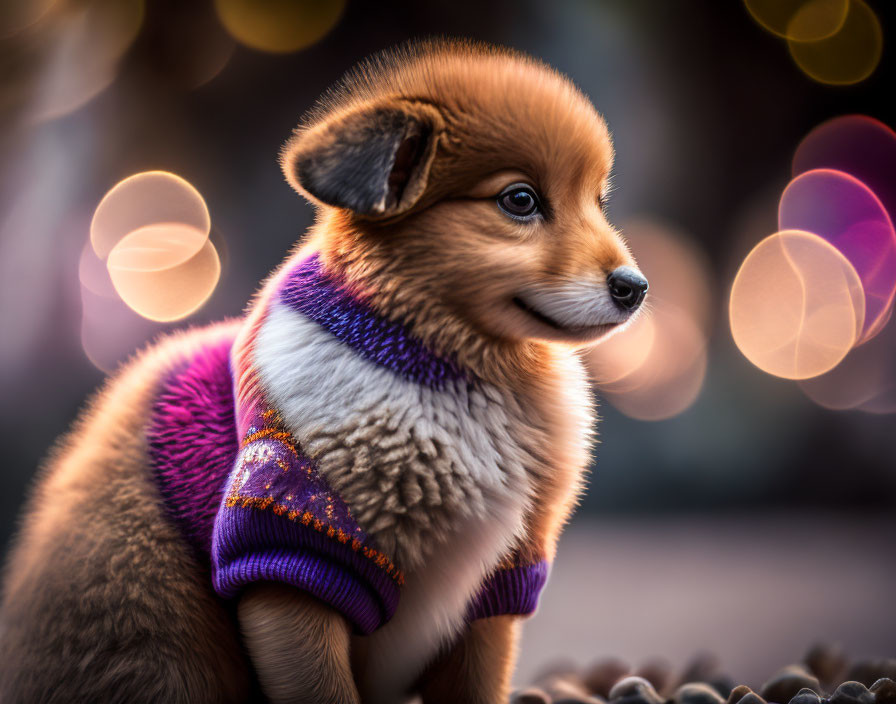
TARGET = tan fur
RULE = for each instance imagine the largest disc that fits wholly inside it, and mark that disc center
(478, 668)
(276, 620)
(103, 601)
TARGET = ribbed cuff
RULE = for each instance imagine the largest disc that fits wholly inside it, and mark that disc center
(510, 591)
(252, 546)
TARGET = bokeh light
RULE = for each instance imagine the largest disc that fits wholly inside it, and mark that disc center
(207, 61)
(191, 48)
(279, 26)
(803, 20)
(622, 354)
(654, 369)
(110, 330)
(797, 305)
(16, 15)
(150, 235)
(848, 56)
(86, 43)
(156, 248)
(669, 380)
(164, 272)
(93, 273)
(147, 198)
(855, 144)
(843, 211)
(865, 380)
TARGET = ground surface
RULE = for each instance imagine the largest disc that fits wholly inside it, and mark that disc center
(755, 590)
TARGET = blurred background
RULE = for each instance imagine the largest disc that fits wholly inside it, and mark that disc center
(733, 505)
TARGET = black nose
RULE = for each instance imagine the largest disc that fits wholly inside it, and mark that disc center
(627, 287)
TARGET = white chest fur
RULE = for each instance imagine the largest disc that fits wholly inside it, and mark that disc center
(438, 477)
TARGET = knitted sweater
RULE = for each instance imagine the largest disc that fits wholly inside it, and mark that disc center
(255, 507)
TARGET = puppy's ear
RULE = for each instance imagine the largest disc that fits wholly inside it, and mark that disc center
(373, 160)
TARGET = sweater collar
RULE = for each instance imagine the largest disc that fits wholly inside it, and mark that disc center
(347, 313)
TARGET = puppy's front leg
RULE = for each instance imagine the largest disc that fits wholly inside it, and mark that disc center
(478, 668)
(299, 646)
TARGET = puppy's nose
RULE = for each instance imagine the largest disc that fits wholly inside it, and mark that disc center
(627, 287)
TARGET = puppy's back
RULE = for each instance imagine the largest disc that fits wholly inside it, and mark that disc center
(103, 599)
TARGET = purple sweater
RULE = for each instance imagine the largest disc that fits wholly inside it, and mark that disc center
(254, 506)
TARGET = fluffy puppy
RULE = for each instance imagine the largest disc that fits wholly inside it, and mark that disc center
(353, 493)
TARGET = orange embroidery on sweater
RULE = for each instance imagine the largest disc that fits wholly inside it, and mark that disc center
(307, 519)
(272, 434)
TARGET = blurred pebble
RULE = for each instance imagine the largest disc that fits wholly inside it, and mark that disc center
(697, 693)
(870, 671)
(884, 691)
(634, 690)
(827, 662)
(751, 698)
(806, 696)
(785, 685)
(558, 668)
(658, 673)
(701, 683)
(530, 695)
(851, 693)
(702, 668)
(603, 674)
(563, 687)
(738, 692)
(723, 684)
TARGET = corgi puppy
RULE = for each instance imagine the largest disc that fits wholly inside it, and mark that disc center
(353, 493)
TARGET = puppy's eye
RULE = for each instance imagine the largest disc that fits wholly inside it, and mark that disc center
(519, 202)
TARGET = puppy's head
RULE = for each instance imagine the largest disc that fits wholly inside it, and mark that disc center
(473, 179)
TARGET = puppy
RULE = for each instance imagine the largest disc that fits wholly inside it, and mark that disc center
(354, 492)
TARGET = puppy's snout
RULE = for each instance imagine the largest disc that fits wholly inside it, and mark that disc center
(627, 287)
